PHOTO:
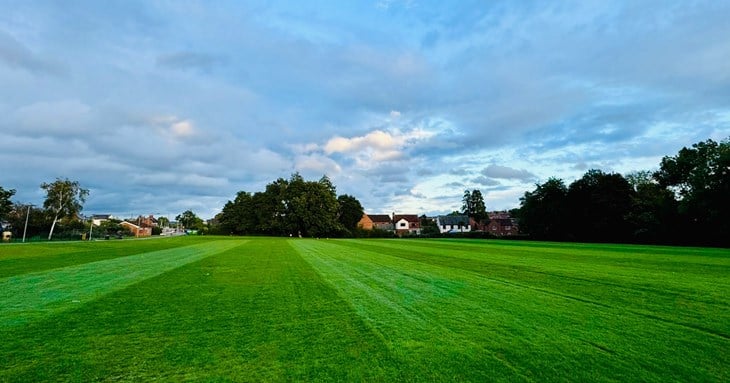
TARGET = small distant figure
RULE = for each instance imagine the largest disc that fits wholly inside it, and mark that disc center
(300, 234)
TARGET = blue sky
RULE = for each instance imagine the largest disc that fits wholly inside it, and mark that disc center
(162, 106)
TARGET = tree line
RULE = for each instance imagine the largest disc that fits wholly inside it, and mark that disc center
(59, 216)
(64, 200)
(293, 207)
(686, 201)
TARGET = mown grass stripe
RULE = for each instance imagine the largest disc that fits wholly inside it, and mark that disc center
(654, 291)
(29, 297)
(462, 318)
(24, 258)
(412, 308)
(254, 313)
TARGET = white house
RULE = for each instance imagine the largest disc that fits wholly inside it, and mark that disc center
(98, 219)
(453, 224)
(407, 224)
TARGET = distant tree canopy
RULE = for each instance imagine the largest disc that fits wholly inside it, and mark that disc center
(687, 201)
(292, 207)
(189, 220)
(163, 221)
(64, 198)
(473, 205)
(701, 177)
(6, 206)
(38, 220)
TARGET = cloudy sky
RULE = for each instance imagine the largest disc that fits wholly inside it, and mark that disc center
(162, 106)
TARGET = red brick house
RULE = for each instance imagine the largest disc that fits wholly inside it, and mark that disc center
(375, 221)
(137, 231)
(503, 227)
(149, 221)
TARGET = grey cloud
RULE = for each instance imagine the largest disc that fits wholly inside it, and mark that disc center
(59, 118)
(485, 181)
(16, 55)
(459, 171)
(393, 178)
(454, 185)
(507, 173)
(189, 61)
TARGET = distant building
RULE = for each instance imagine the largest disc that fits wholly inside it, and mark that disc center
(136, 230)
(453, 224)
(502, 224)
(375, 221)
(98, 219)
(149, 221)
(407, 224)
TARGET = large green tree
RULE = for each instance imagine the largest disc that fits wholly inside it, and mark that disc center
(599, 204)
(543, 212)
(64, 198)
(239, 216)
(289, 207)
(6, 206)
(312, 207)
(700, 175)
(350, 211)
(653, 214)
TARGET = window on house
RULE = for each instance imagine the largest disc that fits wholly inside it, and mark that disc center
(494, 228)
(402, 224)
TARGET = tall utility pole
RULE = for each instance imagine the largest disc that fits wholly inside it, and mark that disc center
(26, 222)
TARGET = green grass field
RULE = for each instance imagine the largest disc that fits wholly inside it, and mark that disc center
(266, 309)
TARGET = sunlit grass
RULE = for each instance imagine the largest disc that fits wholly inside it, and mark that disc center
(266, 309)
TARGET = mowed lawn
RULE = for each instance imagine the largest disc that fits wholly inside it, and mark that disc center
(270, 309)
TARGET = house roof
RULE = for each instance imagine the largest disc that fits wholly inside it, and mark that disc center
(379, 218)
(101, 216)
(407, 217)
(504, 222)
(129, 224)
(498, 215)
(453, 219)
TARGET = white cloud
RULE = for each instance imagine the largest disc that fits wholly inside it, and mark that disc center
(182, 129)
(378, 140)
(317, 164)
(376, 146)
